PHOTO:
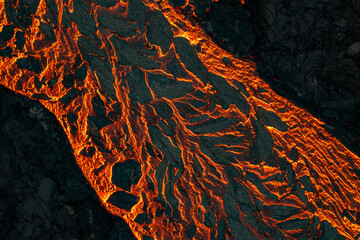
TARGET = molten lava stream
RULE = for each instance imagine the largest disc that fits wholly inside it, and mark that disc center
(175, 135)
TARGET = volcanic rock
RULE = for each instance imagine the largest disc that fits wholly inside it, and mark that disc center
(123, 200)
(126, 174)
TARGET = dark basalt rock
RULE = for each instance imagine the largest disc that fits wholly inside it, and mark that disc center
(126, 174)
(253, 178)
(224, 139)
(123, 200)
(106, 3)
(127, 55)
(168, 129)
(264, 140)
(90, 48)
(189, 58)
(99, 121)
(6, 52)
(234, 221)
(42, 96)
(81, 74)
(119, 233)
(68, 81)
(48, 31)
(170, 152)
(139, 91)
(88, 152)
(70, 95)
(222, 229)
(75, 190)
(209, 218)
(38, 84)
(20, 40)
(141, 218)
(72, 117)
(171, 203)
(213, 125)
(159, 31)
(20, 13)
(217, 154)
(270, 118)
(175, 67)
(7, 33)
(177, 3)
(306, 182)
(190, 231)
(281, 212)
(137, 13)
(52, 82)
(117, 25)
(328, 232)
(201, 7)
(30, 63)
(164, 110)
(169, 88)
(101, 69)
(228, 94)
(83, 16)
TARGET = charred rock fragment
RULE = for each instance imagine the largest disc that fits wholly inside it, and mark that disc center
(117, 25)
(6, 52)
(48, 31)
(20, 13)
(137, 13)
(270, 118)
(20, 40)
(123, 200)
(7, 32)
(126, 174)
(30, 63)
(139, 91)
(169, 88)
(159, 31)
(264, 140)
(42, 96)
(228, 94)
(213, 125)
(129, 56)
(106, 3)
(100, 122)
(170, 152)
(70, 95)
(189, 58)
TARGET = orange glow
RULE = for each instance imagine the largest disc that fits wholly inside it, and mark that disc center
(328, 164)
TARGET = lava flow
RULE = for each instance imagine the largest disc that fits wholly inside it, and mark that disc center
(176, 136)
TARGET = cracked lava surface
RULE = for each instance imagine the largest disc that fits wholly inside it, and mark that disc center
(176, 136)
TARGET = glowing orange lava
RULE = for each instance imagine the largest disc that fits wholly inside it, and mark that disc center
(228, 138)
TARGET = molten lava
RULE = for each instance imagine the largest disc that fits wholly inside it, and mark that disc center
(176, 136)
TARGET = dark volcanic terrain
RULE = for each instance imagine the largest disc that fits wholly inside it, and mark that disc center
(43, 192)
(308, 51)
(141, 126)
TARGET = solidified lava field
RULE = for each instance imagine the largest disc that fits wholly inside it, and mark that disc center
(168, 111)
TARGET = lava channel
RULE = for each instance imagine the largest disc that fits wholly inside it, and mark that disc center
(175, 135)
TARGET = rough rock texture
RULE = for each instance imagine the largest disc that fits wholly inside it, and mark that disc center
(309, 52)
(222, 157)
(43, 192)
